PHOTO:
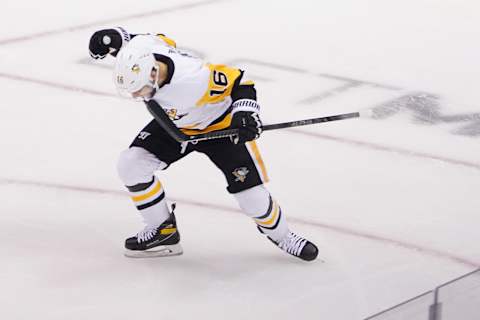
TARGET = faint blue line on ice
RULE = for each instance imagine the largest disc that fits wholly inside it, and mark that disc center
(369, 145)
(330, 93)
(337, 229)
(303, 71)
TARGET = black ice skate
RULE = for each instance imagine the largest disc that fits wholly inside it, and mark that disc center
(161, 241)
(297, 247)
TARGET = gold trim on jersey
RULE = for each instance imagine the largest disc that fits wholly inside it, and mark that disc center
(220, 85)
(167, 40)
(258, 160)
(225, 123)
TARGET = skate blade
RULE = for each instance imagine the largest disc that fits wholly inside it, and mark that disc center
(160, 251)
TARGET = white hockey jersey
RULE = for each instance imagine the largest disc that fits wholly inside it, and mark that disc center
(195, 93)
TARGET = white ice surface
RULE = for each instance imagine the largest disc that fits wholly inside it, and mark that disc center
(393, 204)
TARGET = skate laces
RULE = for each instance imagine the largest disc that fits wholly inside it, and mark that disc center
(146, 234)
(293, 244)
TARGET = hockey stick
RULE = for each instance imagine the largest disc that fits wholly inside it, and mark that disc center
(162, 118)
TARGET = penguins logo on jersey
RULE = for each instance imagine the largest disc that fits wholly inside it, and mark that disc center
(173, 114)
(240, 174)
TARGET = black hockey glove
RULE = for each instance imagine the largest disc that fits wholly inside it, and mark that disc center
(248, 124)
(107, 41)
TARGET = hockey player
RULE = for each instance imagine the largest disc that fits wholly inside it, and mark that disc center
(198, 97)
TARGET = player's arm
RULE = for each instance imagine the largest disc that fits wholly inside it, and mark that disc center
(245, 112)
(110, 41)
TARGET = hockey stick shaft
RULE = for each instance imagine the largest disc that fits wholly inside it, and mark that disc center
(168, 125)
(307, 122)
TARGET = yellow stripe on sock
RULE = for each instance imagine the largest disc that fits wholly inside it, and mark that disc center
(271, 220)
(149, 194)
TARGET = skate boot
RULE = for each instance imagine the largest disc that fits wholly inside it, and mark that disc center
(297, 246)
(160, 241)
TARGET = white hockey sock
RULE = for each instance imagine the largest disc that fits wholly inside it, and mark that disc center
(136, 167)
(257, 203)
(149, 198)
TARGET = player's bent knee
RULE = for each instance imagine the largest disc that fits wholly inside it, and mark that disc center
(253, 201)
(136, 165)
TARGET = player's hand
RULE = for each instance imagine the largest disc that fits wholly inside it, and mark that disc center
(248, 124)
(107, 41)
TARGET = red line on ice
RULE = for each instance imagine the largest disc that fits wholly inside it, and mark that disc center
(379, 147)
(105, 22)
(358, 143)
(57, 85)
(373, 146)
(337, 229)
